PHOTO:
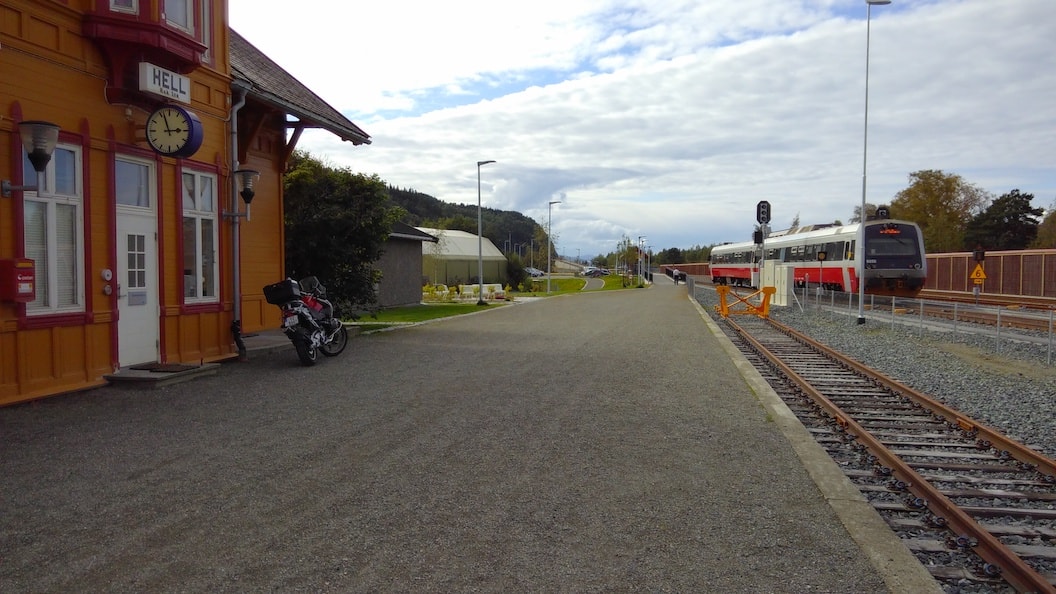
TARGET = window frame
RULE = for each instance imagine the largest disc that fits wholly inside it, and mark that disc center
(188, 16)
(133, 9)
(151, 183)
(198, 215)
(47, 301)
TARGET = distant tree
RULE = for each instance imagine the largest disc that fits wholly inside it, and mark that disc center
(1009, 223)
(1046, 230)
(516, 275)
(697, 254)
(505, 228)
(856, 216)
(942, 204)
(337, 223)
(670, 256)
(795, 222)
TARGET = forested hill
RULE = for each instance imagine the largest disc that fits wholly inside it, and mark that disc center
(505, 228)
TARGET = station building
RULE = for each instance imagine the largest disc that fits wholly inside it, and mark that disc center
(142, 149)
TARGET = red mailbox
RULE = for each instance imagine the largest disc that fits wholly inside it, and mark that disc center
(18, 280)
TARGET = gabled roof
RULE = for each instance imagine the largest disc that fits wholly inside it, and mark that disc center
(460, 245)
(405, 231)
(268, 83)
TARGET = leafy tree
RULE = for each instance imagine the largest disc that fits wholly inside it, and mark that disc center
(942, 204)
(856, 216)
(515, 273)
(670, 256)
(1047, 230)
(1009, 223)
(337, 223)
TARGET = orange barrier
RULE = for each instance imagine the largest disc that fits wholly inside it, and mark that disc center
(762, 309)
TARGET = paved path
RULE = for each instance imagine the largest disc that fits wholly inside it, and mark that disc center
(597, 442)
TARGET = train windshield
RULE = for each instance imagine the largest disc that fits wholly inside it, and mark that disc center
(890, 239)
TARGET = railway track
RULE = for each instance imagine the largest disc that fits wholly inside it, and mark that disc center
(1023, 301)
(1003, 313)
(973, 505)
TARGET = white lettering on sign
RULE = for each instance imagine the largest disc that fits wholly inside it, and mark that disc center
(168, 84)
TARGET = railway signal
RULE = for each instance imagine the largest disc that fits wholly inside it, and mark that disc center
(762, 212)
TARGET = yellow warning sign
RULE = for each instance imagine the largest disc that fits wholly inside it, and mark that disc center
(978, 273)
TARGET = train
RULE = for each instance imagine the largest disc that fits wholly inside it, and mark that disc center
(825, 256)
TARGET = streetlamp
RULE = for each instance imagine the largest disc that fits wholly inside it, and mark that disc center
(865, 158)
(39, 140)
(641, 281)
(549, 239)
(480, 242)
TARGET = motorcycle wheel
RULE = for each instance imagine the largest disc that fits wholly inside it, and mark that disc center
(337, 343)
(305, 351)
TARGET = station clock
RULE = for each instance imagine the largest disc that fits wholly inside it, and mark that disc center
(174, 131)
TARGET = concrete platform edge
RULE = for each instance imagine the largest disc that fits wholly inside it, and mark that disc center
(896, 564)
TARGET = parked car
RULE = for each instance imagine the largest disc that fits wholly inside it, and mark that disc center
(598, 272)
(535, 272)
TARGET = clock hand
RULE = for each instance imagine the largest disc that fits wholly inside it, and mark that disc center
(168, 130)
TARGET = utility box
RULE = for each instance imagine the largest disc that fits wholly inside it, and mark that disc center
(18, 280)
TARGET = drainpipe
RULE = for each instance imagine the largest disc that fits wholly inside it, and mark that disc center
(236, 270)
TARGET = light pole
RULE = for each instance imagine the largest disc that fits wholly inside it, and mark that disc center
(480, 242)
(549, 239)
(865, 159)
(639, 246)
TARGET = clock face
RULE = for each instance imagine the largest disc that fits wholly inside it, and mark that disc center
(174, 131)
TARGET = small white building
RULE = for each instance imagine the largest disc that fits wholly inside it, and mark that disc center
(453, 259)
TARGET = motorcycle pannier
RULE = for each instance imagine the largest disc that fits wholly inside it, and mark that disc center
(282, 292)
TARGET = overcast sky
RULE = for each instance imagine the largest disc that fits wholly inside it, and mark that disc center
(671, 119)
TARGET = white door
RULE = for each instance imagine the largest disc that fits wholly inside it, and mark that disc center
(137, 286)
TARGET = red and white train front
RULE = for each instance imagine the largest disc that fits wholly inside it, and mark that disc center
(895, 263)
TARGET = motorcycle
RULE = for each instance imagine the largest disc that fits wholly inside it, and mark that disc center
(308, 318)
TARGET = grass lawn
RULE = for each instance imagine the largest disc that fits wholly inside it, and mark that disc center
(401, 316)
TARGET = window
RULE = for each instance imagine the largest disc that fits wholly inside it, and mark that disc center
(127, 6)
(207, 30)
(200, 266)
(132, 182)
(179, 14)
(53, 221)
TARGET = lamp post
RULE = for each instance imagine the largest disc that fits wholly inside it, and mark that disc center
(639, 246)
(480, 242)
(549, 239)
(865, 159)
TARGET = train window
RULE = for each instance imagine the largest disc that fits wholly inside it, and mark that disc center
(890, 239)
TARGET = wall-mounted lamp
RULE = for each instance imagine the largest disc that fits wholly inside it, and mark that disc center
(39, 140)
(246, 178)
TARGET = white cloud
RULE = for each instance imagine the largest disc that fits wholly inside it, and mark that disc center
(672, 119)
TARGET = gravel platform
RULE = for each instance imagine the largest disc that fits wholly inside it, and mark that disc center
(594, 443)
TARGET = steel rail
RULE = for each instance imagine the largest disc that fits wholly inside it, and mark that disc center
(1013, 569)
(998, 440)
(1000, 299)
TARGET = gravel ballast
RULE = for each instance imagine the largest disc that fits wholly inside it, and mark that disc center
(1003, 382)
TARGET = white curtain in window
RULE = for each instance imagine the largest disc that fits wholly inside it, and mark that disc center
(66, 254)
(36, 234)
